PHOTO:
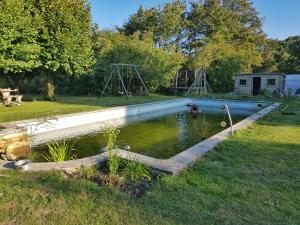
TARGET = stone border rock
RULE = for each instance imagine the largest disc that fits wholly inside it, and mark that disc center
(173, 166)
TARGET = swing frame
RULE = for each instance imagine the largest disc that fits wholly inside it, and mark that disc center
(118, 70)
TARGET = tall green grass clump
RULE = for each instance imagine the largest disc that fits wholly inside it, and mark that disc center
(60, 151)
(114, 161)
(135, 171)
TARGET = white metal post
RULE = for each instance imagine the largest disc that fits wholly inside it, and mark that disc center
(229, 116)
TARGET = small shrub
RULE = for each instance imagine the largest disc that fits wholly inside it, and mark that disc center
(60, 151)
(135, 171)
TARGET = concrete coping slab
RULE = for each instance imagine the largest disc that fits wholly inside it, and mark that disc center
(173, 165)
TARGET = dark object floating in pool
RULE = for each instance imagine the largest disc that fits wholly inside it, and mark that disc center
(260, 105)
(193, 109)
(288, 113)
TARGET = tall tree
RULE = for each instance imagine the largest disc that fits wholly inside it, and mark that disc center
(144, 20)
(224, 32)
(171, 23)
(157, 65)
(48, 36)
(19, 48)
(166, 22)
(269, 50)
(236, 20)
(288, 56)
(65, 37)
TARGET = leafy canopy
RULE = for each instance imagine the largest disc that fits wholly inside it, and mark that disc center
(19, 47)
(46, 35)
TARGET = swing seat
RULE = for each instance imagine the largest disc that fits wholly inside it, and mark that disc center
(121, 92)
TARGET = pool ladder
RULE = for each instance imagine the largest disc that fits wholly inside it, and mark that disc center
(229, 116)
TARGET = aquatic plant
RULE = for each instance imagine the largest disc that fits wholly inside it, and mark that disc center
(60, 151)
(135, 171)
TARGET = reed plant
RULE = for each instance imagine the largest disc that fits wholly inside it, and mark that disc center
(60, 151)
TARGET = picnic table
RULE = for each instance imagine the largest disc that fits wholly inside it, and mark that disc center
(10, 96)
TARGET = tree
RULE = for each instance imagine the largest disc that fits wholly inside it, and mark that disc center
(144, 20)
(224, 37)
(288, 55)
(47, 37)
(171, 24)
(222, 60)
(157, 65)
(65, 37)
(221, 73)
(166, 22)
(19, 47)
(268, 50)
(211, 33)
(236, 20)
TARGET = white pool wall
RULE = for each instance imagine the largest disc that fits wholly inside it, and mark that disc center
(69, 126)
(82, 119)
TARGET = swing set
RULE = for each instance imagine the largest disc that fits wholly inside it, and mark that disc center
(127, 79)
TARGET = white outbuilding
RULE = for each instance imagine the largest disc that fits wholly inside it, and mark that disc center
(292, 84)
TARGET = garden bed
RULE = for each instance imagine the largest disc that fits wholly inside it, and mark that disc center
(99, 175)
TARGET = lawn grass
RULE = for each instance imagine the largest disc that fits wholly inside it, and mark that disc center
(252, 178)
(70, 104)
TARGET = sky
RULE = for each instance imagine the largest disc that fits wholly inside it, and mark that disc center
(281, 17)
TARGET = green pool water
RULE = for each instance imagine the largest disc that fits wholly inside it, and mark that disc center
(161, 137)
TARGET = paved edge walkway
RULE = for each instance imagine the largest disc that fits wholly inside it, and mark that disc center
(173, 166)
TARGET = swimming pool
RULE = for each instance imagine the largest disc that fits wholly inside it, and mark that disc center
(158, 133)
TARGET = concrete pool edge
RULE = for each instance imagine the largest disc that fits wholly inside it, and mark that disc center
(173, 165)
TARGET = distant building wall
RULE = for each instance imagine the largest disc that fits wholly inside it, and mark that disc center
(272, 83)
(243, 88)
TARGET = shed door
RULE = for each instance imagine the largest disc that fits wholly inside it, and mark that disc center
(256, 85)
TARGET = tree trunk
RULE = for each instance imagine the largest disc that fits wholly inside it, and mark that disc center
(50, 89)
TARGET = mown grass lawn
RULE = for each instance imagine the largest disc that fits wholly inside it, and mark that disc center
(252, 178)
(70, 104)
